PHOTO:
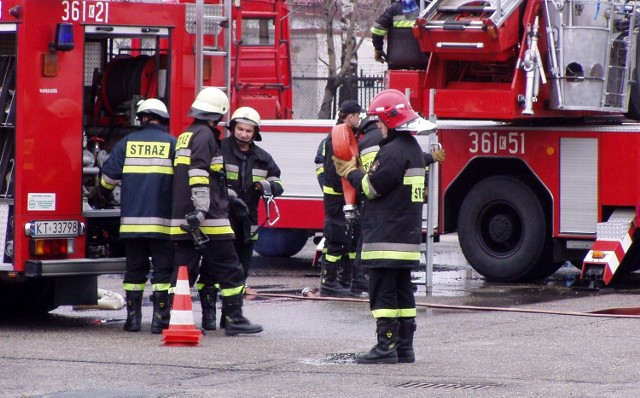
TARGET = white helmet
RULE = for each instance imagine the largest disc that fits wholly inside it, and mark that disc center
(247, 115)
(210, 104)
(152, 106)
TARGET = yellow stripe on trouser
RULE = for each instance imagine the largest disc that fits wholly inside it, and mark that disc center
(133, 287)
(331, 258)
(234, 291)
(200, 286)
(407, 313)
(399, 313)
(160, 287)
(385, 313)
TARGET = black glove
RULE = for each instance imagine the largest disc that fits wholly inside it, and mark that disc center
(100, 197)
(238, 207)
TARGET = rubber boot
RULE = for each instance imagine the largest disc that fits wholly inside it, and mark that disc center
(235, 323)
(359, 281)
(134, 311)
(343, 273)
(208, 297)
(161, 311)
(386, 349)
(405, 340)
(329, 285)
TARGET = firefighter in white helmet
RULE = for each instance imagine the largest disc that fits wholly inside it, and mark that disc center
(142, 163)
(251, 173)
(391, 218)
(200, 224)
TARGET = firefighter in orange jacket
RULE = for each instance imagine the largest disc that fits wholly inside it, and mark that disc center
(391, 225)
(200, 224)
(141, 163)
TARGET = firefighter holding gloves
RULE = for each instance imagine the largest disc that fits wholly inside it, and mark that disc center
(142, 164)
(200, 226)
(391, 224)
(251, 173)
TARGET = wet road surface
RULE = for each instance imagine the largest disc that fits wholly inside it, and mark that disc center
(308, 345)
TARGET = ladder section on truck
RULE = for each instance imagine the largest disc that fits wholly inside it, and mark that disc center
(211, 25)
(613, 240)
(593, 54)
(458, 28)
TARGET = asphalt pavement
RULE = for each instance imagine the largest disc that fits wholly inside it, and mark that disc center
(474, 339)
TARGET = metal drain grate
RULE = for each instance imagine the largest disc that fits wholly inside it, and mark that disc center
(443, 386)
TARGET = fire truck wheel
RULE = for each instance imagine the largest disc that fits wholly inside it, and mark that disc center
(280, 242)
(27, 298)
(502, 229)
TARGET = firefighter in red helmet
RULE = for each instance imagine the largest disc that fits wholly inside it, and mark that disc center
(391, 219)
(200, 216)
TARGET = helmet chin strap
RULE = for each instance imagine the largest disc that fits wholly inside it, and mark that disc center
(242, 143)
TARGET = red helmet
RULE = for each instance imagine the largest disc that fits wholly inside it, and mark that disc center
(392, 108)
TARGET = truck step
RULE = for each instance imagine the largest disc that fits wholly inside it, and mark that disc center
(613, 239)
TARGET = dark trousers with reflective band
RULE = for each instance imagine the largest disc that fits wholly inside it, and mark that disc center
(245, 254)
(216, 263)
(340, 243)
(391, 293)
(138, 251)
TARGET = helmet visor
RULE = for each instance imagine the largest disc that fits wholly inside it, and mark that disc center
(419, 125)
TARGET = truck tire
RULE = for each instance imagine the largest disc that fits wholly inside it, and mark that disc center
(502, 229)
(280, 242)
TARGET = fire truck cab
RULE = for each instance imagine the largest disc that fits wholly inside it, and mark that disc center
(71, 74)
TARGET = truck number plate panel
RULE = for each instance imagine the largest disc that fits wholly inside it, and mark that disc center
(56, 229)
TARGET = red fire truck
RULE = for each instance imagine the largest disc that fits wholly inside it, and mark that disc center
(542, 165)
(71, 73)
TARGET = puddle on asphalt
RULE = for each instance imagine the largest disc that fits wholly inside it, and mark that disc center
(461, 281)
(339, 358)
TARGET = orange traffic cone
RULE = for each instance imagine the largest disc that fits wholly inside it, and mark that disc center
(182, 329)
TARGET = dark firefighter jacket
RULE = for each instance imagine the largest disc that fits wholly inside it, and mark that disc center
(368, 146)
(244, 169)
(391, 18)
(392, 214)
(198, 162)
(141, 163)
(333, 198)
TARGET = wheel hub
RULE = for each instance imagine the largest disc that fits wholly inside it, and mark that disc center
(500, 228)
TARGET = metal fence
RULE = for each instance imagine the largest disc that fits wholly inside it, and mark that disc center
(308, 93)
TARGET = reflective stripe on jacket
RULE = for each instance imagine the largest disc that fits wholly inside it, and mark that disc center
(142, 163)
(244, 169)
(199, 162)
(392, 213)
